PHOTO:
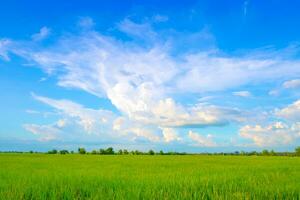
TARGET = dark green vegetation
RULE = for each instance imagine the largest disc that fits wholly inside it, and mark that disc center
(110, 151)
(75, 176)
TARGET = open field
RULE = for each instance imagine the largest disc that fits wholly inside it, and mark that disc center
(42, 176)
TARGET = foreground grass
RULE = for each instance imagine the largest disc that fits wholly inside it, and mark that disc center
(39, 176)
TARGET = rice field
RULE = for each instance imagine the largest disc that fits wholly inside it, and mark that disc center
(73, 176)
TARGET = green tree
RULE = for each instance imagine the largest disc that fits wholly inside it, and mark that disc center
(161, 152)
(54, 151)
(297, 151)
(81, 150)
(125, 152)
(94, 152)
(63, 151)
(272, 153)
(151, 152)
(265, 152)
(120, 152)
(137, 152)
(109, 150)
(102, 151)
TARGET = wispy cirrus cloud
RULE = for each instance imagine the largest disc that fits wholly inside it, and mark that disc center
(290, 112)
(202, 141)
(44, 132)
(87, 118)
(4, 48)
(44, 33)
(242, 94)
(292, 84)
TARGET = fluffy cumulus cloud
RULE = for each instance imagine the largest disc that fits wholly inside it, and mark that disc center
(275, 134)
(170, 134)
(141, 77)
(95, 122)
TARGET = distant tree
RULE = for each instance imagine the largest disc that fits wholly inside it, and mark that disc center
(94, 152)
(272, 153)
(297, 151)
(161, 152)
(72, 152)
(151, 152)
(120, 152)
(30, 151)
(54, 151)
(125, 152)
(102, 151)
(109, 150)
(137, 152)
(265, 152)
(253, 153)
(81, 151)
(63, 151)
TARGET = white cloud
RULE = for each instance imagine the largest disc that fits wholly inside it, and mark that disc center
(274, 134)
(142, 81)
(99, 122)
(203, 141)
(137, 30)
(206, 72)
(142, 132)
(29, 111)
(87, 118)
(61, 123)
(277, 133)
(242, 93)
(4, 48)
(97, 63)
(292, 84)
(145, 104)
(44, 33)
(44, 132)
(126, 127)
(290, 112)
(134, 80)
(170, 135)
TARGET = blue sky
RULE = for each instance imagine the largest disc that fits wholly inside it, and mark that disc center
(194, 76)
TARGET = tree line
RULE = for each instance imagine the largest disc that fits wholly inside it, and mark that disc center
(111, 151)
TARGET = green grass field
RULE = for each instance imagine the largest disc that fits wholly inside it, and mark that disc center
(42, 176)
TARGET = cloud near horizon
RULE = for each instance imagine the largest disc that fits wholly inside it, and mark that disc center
(143, 82)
